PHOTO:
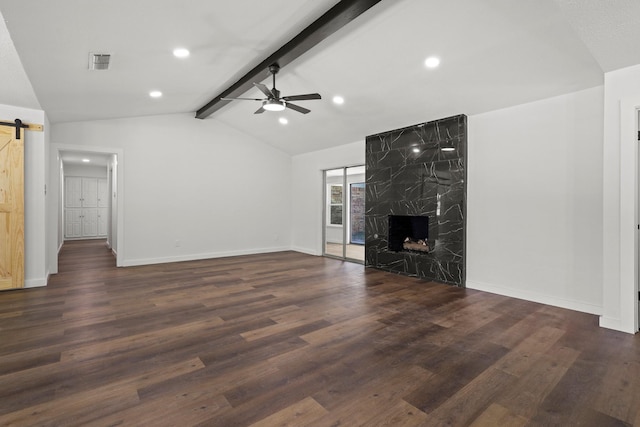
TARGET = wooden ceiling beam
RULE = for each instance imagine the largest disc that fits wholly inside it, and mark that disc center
(337, 17)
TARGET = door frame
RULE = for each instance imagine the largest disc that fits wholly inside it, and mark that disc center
(57, 205)
(620, 289)
(345, 213)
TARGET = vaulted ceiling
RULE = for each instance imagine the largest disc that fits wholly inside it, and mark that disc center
(494, 54)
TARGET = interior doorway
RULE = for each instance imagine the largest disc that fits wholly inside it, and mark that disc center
(343, 213)
(109, 212)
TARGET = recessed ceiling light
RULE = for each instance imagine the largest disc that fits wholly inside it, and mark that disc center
(448, 149)
(86, 160)
(432, 62)
(338, 100)
(181, 53)
(283, 120)
(155, 94)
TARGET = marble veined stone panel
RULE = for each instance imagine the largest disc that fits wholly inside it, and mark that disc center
(419, 170)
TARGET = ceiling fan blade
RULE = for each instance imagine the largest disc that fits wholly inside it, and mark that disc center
(297, 108)
(242, 99)
(264, 90)
(305, 97)
(259, 111)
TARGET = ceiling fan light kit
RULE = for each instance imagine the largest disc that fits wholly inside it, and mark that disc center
(273, 100)
(274, 105)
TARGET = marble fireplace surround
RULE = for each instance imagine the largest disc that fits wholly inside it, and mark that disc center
(409, 173)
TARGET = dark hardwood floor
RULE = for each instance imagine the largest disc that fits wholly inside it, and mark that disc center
(288, 339)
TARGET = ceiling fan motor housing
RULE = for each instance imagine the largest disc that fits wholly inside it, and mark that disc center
(273, 101)
(274, 68)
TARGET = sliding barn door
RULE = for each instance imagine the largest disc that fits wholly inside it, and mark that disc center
(11, 209)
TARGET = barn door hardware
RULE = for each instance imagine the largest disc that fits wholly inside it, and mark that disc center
(18, 124)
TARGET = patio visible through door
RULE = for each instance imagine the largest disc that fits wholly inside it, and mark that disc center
(344, 206)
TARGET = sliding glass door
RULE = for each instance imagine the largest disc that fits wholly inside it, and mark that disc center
(343, 225)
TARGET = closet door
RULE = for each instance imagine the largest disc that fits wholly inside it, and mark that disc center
(86, 207)
(72, 223)
(89, 192)
(73, 192)
(89, 222)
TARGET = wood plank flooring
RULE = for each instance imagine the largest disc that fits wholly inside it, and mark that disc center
(288, 339)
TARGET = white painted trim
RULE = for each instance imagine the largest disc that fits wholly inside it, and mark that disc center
(195, 257)
(306, 251)
(615, 324)
(35, 283)
(629, 214)
(535, 297)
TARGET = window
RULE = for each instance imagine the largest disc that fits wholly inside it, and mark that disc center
(335, 204)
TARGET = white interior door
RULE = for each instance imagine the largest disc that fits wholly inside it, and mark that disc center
(89, 222)
(89, 192)
(103, 193)
(73, 192)
(73, 223)
(86, 207)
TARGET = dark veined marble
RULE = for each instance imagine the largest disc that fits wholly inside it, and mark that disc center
(409, 173)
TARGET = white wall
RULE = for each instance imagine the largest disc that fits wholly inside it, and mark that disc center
(534, 213)
(621, 99)
(35, 201)
(306, 185)
(192, 188)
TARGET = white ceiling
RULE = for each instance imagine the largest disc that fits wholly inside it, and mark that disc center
(494, 54)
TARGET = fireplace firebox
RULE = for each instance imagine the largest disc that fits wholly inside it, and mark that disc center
(408, 232)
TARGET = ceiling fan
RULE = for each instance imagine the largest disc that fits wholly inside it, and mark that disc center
(273, 100)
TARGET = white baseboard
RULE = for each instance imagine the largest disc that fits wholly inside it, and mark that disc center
(305, 251)
(615, 324)
(536, 297)
(35, 283)
(195, 257)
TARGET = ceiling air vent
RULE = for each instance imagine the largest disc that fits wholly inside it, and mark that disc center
(99, 61)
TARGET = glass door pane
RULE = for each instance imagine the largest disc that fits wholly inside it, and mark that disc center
(356, 211)
(354, 240)
(334, 213)
(344, 213)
